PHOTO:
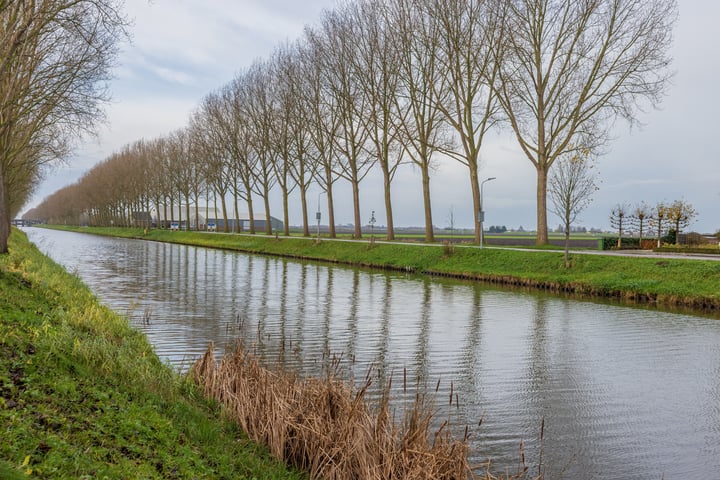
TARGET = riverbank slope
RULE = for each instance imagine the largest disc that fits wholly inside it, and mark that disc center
(82, 395)
(677, 283)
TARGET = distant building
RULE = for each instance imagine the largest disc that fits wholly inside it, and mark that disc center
(211, 219)
(141, 219)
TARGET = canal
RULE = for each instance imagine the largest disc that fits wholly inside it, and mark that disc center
(625, 393)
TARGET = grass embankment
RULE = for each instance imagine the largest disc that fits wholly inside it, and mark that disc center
(693, 284)
(82, 395)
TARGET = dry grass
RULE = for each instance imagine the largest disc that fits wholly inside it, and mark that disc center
(326, 427)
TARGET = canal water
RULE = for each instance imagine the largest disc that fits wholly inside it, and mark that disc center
(625, 393)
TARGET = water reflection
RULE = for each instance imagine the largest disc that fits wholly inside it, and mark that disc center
(625, 392)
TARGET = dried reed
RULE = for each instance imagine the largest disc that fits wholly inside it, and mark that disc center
(326, 428)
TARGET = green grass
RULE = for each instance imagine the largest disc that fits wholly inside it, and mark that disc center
(82, 395)
(693, 284)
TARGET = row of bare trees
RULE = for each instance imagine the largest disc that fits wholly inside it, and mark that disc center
(660, 218)
(55, 60)
(378, 84)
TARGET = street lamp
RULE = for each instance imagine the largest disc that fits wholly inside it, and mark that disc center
(481, 213)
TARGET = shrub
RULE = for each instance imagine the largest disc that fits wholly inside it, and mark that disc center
(610, 243)
(671, 237)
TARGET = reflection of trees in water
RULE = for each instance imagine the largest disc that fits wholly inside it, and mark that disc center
(383, 339)
(300, 299)
(327, 314)
(262, 309)
(421, 349)
(470, 360)
(282, 312)
(352, 318)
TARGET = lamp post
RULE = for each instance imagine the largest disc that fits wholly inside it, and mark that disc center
(481, 213)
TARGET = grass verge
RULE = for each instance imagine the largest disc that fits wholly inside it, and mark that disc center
(689, 284)
(82, 395)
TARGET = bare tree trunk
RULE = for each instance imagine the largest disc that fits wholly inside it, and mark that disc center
(331, 204)
(4, 215)
(286, 214)
(251, 214)
(236, 224)
(303, 203)
(197, 213)
(223, 204)
(187, 213)
(567, 244)
(388, 204)
(542, 228)
(207, 208)
(429, 233)
(475, 188)
(268, 224)
(356, 209)
(180, 215)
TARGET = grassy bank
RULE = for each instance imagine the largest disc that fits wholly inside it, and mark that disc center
(82, 395)
(691, 284)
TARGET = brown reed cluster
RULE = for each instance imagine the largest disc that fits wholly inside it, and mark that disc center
(327, 428)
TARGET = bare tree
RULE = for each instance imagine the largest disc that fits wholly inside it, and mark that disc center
(259, 115)
(376, 68)
(619, 218)
(182, 171)
(335, 53)
(658, 220)
(640, 215)
(241, 145)
(224, 120)
(159, 177)
(209, 148)
(323, 120)
(293, 86)
(55, 60)
(293, 167)
(568, 69)
(571, 186)
(469, 31)
(420, 98)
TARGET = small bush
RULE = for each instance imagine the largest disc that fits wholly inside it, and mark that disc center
(610, 243)
(670, 238)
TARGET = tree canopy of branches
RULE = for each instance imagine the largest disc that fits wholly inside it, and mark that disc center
(55, 60)
(386, 84)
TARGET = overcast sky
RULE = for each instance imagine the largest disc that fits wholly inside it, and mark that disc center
(183, 49)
